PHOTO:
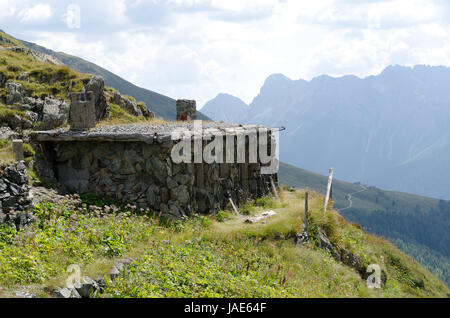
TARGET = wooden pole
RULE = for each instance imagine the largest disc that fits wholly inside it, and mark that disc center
(274, 188)
(302, 236)
(234, 206)
(327, 197)
(305, 230)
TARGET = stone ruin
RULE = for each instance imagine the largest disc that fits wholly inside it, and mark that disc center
(134, 164)
(186, 109)
(82, 111)
(15, 195)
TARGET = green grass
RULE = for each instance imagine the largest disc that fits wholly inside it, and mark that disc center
(418, 225)
(118, 116)
(7, 40)
(6, 154)
(44, 79)
(204, 256)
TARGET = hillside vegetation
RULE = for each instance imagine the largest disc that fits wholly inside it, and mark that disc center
(204, 256)
(163, 106)
(418, 225)
(41, 79)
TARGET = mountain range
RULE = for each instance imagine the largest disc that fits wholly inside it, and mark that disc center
(389, 130)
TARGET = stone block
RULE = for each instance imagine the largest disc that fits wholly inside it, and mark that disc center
(186, 109)
(17, 148)
(82, 111)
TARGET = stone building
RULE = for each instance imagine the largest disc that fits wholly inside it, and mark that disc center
(135, 164)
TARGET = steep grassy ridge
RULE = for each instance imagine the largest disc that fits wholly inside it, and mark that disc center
(418, 225)
(205, 256)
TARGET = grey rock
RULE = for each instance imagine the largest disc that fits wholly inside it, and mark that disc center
(113, 272)
(15, 122)
(96, 85)
(119, 265)
(147, 113)
(42, 57)
(23, 76)
(2, 185)
(325, 243)
(9, 202)
(31, 116)
(182, 178)
(14, 93)
(27, 124)
(2, 79)
(126, 104)
(349, 259)
(88, 287)
(171, 184)
(151, 197)
(15, 175)
(24, 294)
(54, 113)
(183, 196)
(64, 292)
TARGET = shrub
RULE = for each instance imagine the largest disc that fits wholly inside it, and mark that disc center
(142, 106)
(222, 216)
(28, 151)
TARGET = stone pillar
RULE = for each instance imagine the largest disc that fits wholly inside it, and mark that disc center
(82, 111)
(17, 148)
(186, 109)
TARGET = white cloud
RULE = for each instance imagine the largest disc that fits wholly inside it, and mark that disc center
(8, 9)
(39, 12)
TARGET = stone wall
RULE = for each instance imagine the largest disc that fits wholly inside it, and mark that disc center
(141, 172)
(186, 109)
(15, 196)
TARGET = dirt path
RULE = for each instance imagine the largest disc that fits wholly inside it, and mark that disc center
(349, 198)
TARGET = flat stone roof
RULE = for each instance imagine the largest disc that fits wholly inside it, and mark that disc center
(147, 133)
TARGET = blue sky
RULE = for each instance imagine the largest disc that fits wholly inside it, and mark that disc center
(198, 48)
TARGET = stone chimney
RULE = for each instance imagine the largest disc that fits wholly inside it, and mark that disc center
(82, 111)
(186, 109)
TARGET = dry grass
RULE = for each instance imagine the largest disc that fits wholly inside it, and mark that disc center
(6, 154)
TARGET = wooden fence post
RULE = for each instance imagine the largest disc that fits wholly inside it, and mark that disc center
(327, 197)
(305, 229)
(234, 206)
(302, 237)
(274, 188)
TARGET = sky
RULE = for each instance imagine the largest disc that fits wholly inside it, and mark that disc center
(196, 49)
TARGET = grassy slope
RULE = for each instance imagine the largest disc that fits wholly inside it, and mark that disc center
(418, 225)
(202, 257)
(39, 83)
(161, 105)
(40, 74)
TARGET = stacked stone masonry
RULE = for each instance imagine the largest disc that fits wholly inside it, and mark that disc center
(186, 109)
(15, 195)
(133, 164)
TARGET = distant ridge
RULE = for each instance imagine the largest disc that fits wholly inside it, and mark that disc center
(225, 107)
(390, 130)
